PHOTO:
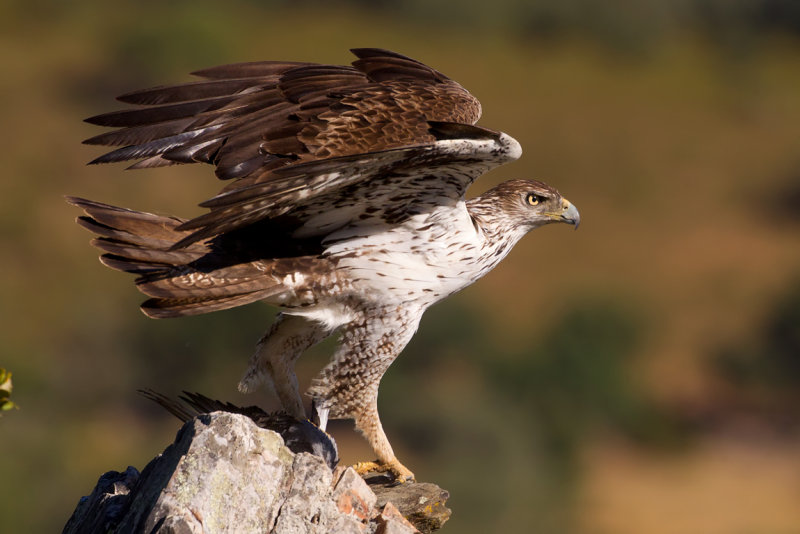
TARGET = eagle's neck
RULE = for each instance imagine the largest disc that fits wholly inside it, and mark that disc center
(499, 230)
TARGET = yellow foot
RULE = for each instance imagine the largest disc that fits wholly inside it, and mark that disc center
(400, 472)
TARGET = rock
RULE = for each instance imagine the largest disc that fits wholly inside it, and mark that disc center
(353, 496)
(225, 474)
(422, 503)
(298, 435)
(101, 511)
(391, 521)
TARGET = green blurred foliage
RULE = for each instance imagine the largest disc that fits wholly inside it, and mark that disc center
(623, 26)
(578, 377)
(536, 404)
(674, 127)
(5, 391)
(771, 362)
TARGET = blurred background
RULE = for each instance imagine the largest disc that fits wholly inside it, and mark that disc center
(639, 375)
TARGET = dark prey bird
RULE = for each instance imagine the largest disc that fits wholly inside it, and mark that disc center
(299, 435)
(344, 207)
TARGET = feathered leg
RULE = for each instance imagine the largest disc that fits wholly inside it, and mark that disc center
(369, 423)
(275, 356)
(348, 386)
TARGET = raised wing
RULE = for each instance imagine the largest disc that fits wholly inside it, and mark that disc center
(250, 118)
(288, 132)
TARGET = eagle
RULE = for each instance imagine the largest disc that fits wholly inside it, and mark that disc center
(344, 207)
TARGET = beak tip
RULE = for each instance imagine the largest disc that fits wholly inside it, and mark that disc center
(572, 216)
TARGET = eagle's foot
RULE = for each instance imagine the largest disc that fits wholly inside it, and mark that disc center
(400, 472)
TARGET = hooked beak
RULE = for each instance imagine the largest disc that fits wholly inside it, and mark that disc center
(569, 214)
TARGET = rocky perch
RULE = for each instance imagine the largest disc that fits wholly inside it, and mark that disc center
(225, 474)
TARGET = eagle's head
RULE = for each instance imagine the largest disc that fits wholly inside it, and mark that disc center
(523, 205)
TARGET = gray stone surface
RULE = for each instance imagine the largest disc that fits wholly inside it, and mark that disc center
(423, 503)
(223, 474)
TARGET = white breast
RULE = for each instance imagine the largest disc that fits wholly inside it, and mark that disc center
(426, 258)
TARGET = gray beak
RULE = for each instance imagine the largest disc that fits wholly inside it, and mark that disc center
(570, 214)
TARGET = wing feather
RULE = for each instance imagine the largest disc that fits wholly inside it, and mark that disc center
(256, 108)
(289, 134)
(473, 153)
(185, 92)
(252, 69)
(158, 114)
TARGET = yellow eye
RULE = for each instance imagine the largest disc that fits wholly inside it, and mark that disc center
(534, 200)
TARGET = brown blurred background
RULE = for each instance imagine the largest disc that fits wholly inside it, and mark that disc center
(640, 375)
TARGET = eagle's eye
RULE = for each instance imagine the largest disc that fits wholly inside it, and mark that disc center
(533, 199)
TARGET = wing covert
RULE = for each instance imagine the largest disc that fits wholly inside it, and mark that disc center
(460, 155)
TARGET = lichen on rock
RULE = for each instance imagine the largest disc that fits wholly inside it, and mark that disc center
(224, 474)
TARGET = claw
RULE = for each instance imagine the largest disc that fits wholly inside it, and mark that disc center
(400, 472)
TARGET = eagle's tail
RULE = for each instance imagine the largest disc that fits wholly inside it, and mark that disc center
(180, 282)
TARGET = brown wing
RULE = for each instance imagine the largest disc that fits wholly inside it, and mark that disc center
(250, 118)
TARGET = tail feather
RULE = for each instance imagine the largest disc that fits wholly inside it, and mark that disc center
(135, 223)
(142, 252)
(185, 281)
(189, 282)
(163, 308)
(118, 263)
(104, 231)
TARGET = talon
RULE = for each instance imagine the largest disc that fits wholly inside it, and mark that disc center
(400, 472)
